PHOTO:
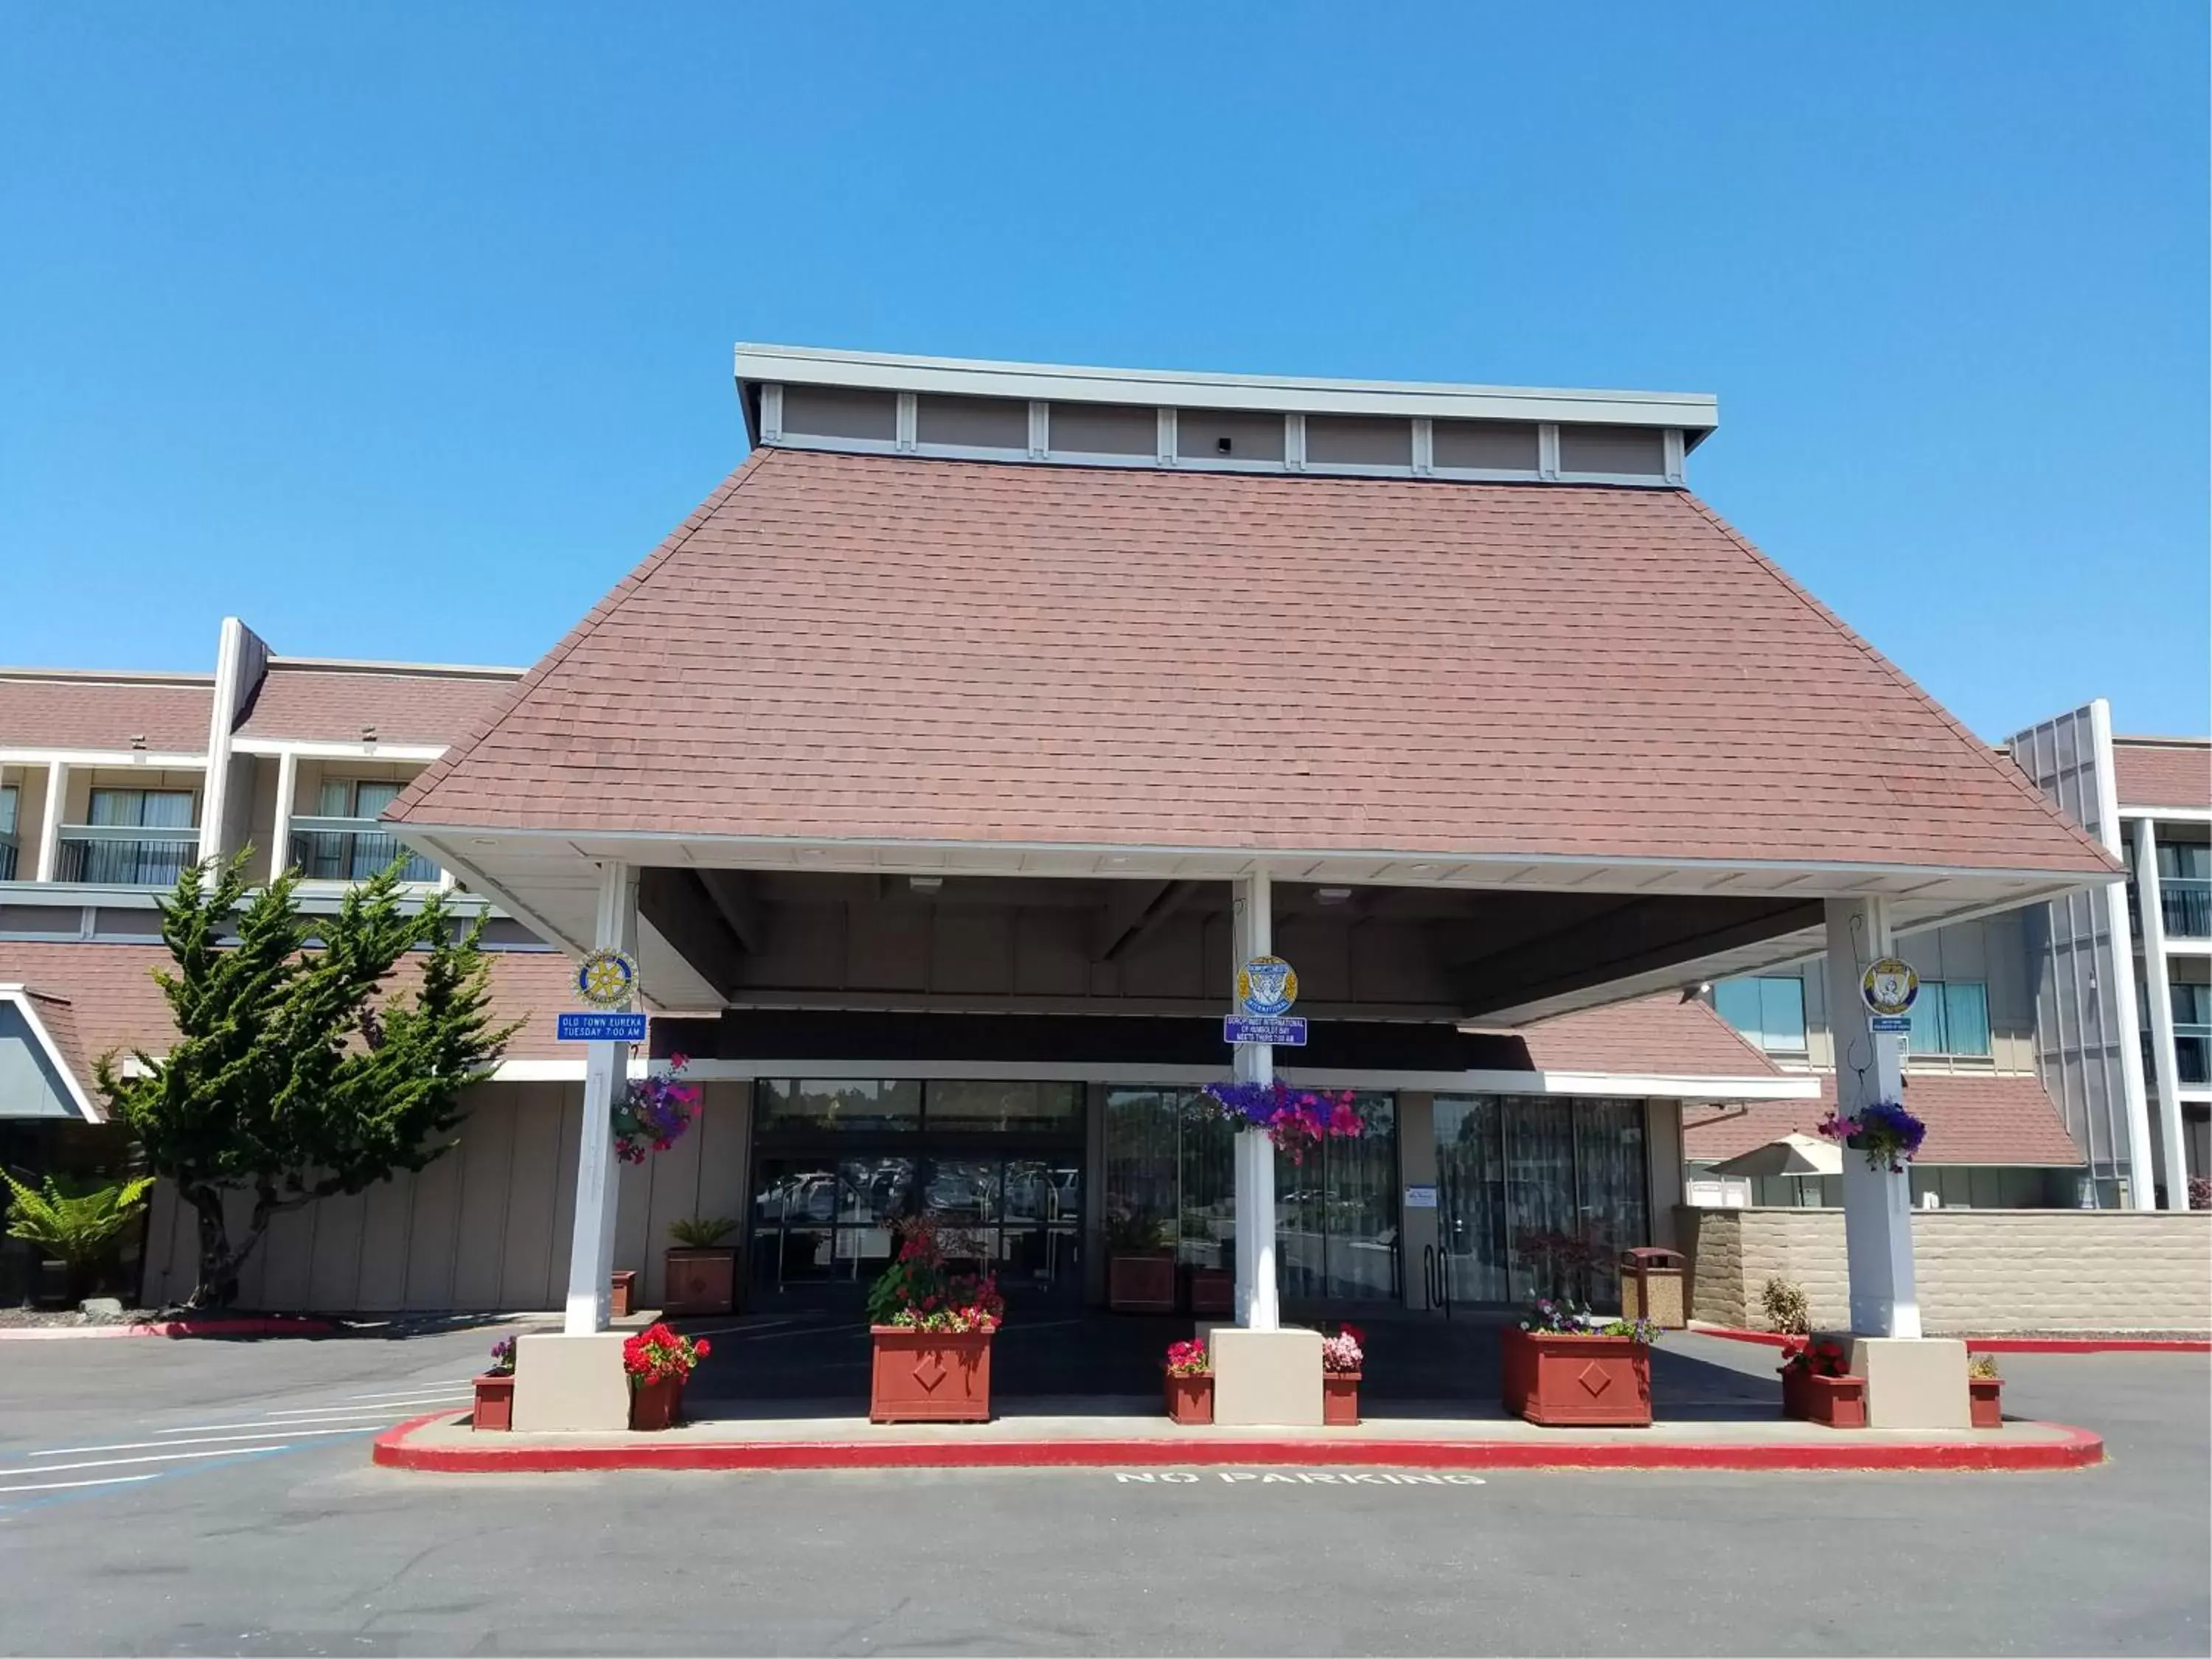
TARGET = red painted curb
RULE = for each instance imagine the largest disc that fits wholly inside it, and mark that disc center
(394, 1450)
(174, 1327)
(2007, 1343)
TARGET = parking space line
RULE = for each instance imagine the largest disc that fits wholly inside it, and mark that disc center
(264, 1423)
(117, 1462)
(397, 1404)
(275, 1431)
(104, 1481)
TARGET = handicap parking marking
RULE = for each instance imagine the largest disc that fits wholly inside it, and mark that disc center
(1296, 1477)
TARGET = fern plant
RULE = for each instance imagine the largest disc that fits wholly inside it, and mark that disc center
(701, 1232)
(79, 1230)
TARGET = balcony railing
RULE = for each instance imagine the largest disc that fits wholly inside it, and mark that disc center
(126, 854)
(2185, 902)
(2192, 1056)
(352, 849)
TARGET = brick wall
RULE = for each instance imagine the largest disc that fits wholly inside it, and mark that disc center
(1978, 1272)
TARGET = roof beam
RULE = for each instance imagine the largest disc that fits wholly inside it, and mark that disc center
(730, 892)
(677, 903)
(1128, 917)
(1621, 941)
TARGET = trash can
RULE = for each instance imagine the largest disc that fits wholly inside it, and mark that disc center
(1651, 1286)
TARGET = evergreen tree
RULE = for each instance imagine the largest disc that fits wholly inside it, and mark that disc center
(297, 1072)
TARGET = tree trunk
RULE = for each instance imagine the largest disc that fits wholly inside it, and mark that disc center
(218, 1276)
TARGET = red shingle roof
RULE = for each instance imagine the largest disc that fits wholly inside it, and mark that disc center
(85, 712)
(111, 1002)
(403, 706)
(1971, 1120)
(2163, 772)
(890, 648)
(1651, 1037)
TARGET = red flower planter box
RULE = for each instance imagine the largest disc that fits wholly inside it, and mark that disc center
(699, 1281)
(620, 1291)
(1190, 1399)
(1340, 1399)
(1838, 1401)
(656, 1405)
(1982, 1404)
(1587, 1382)
(1212, 1292)
(1140, 1284)
(930, 1376)
(494, 1407)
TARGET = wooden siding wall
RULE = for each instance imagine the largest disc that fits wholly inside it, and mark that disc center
(485, 1227)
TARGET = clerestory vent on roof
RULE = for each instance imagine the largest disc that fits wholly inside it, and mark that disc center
(869, 402)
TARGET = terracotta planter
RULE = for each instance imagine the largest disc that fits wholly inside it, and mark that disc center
(1141, 1284)
(495, 1406)
(1190, 1399)
(619, 1290)
(1340, 1399)
(1985, 1413)
(1838, 1401)
(1212, 1293)
(699, 1281)
(1586, 1382)
(656, 1405)
(929, 1377)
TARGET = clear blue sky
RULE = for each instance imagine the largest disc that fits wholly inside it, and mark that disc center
(403, 332)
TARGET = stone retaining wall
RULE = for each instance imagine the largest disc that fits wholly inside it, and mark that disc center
(1979, 1272)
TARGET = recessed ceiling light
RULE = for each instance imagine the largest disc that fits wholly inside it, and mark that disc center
(1421, 869)
(1333, 895)
(925, 884)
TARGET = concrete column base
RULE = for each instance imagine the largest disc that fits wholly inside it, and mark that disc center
(578, 1382)
(1271, 1378)
(1913, 1382)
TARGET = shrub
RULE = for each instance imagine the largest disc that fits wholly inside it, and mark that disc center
(701, 1232)
(1784, 1303)
(2200, 1192)
(1982, 1364)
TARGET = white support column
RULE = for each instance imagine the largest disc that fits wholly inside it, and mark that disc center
(1869, 1066)
(1257, 1304)
(50, 827)
(591, 1243)
(280, 828)
(2158, 1004)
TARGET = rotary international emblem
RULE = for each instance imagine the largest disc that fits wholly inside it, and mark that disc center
(1267, 987)
(1889, 988)
(607, 979)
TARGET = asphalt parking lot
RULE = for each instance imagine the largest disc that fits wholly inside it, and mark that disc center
(235, 1511)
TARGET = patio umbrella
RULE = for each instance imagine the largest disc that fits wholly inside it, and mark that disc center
(1792, 1155)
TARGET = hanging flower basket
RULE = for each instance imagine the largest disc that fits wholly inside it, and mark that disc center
(1297, 1119)
(653, 1111)
(1889, 1135)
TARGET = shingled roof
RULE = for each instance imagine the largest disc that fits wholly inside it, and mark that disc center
(1971, 1118)
(853, 645)
(404, 705)
(2163, 772)
(164, 713)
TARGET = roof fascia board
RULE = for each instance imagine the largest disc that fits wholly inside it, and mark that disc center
(868, 856)
(2172, 814)
(422, 670)
(337, 748)
(1288, 394)
(165, 761)
(134, 678)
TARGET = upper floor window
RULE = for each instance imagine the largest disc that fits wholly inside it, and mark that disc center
(2185, 860)
(328, 853)
(1769, 1010)
(1951, 1016)
(97, 853)
(8, 844)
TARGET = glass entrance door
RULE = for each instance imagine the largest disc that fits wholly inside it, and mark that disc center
(1538, 1195)
(838, 1164)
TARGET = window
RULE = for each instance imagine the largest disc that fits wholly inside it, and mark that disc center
(156, 861)
(7, 832)
(1951, 1018)
(1770, 1011)
(355, 855)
